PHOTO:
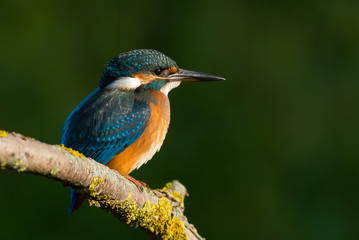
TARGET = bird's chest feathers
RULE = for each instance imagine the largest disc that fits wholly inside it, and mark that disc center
(150, 141)
(156, 130)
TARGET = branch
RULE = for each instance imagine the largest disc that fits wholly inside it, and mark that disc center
(159, 212)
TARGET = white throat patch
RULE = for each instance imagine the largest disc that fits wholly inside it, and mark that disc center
(169, 86)
(125, 83)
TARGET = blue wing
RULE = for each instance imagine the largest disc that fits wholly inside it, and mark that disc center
(104, 124)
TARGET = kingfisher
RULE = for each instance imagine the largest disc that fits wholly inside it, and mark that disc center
(123, 122)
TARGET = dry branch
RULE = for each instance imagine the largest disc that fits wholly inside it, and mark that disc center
(158, 212)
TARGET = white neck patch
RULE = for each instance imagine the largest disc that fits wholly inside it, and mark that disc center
(169, 86)
(131, 83)
(125, 83)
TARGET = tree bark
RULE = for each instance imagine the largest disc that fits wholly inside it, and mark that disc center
(158, 212)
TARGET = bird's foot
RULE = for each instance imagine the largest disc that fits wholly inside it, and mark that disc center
(140, 185)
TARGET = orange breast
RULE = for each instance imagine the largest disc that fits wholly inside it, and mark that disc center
(150, 141)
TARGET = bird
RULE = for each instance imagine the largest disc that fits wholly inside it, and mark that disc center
(123, 122)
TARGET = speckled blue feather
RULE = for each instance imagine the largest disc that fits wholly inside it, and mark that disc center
(105, 124)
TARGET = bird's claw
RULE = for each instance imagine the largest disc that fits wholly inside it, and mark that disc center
(140, 185)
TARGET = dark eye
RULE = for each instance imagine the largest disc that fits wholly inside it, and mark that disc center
(158, 71)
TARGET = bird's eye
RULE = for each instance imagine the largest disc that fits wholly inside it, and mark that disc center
(158, 71)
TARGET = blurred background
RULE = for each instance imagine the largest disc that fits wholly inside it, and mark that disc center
(271, 153)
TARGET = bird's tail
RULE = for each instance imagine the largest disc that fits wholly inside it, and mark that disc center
(76, 200)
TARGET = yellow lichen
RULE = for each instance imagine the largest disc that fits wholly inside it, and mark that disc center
(73, 152)
(3, 133)
(167, 187)
(176, 195)
(156, 218)
(92, 188)
(31, 138)
(54, 170)
(20, 166)
(179, 197)
(3, 166)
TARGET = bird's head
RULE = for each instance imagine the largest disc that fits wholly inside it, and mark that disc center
(147, 69)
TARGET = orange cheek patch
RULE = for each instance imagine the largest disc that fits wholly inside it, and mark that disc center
(173, 70)
(144, 78)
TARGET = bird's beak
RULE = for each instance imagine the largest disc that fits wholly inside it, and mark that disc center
(192, 76)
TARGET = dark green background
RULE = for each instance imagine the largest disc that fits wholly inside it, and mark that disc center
(271, 153)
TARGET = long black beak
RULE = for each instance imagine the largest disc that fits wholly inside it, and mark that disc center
(192, 76)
